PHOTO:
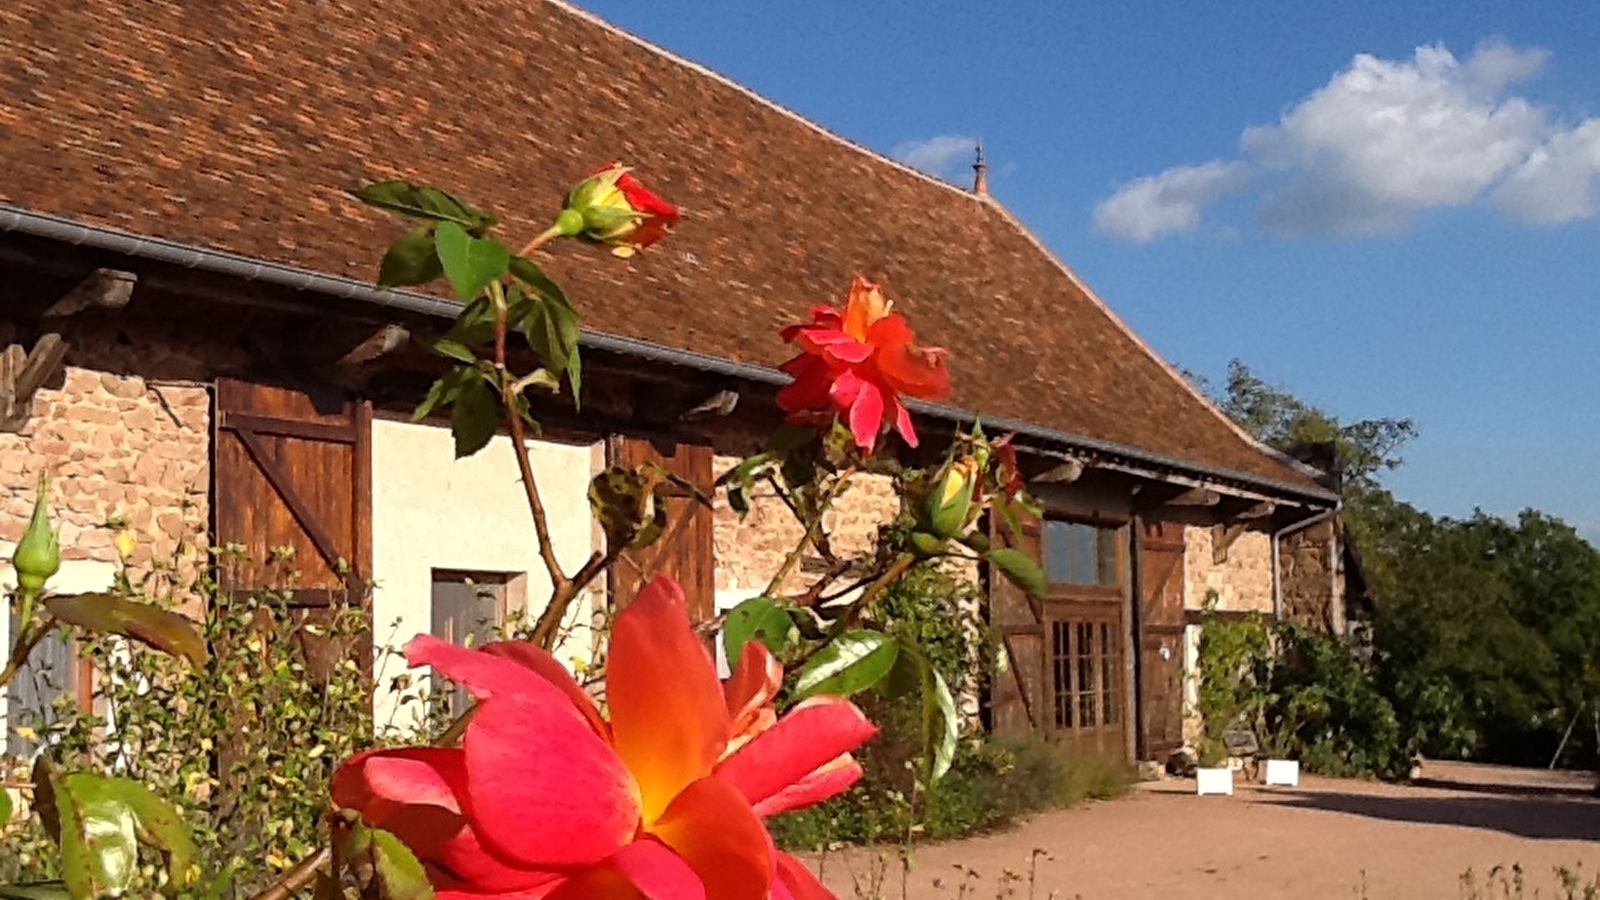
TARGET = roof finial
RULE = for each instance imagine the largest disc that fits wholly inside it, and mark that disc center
(980, 178)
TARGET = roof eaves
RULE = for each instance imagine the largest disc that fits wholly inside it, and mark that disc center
(71, 232)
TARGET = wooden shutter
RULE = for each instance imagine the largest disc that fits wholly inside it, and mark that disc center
(1161, 625)
(32, 692)
(685, 551)
(1018, 698)
(293, 470)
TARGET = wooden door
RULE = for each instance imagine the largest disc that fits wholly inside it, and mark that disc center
(1086, 682)
(685, 551)
(292, 489)
(1018, 694)
(1161, 626)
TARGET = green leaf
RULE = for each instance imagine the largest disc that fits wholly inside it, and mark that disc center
(99, 847)
(475, 324)
(156, 824)
(470, 263)
(756, 619)
(386, 866)
(455, 350)
(551, 327)
(40, 890)
(474, 417)
(5, 808)
(627, 509)
(445, 391)
(1020, 569)
(947, 728)
(410, 260)
(422, 202)
(847, 664)
(108, 614)
(528, 272)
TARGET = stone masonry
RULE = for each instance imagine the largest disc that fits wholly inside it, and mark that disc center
(122, 451)
(750, 552)
(1242, 583)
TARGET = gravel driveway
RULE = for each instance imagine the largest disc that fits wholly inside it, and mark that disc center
(1327, 838)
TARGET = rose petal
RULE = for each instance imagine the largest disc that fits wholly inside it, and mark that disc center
(712, 827)
(412, 792)
(754, 682)
(795, 882)
(668, 720)
(642, 870)
(812, 734)
(544, 789)
(866, 415)
(550, 669)
(482, 674)
(658, 872)
(831, 780)
(902, 424)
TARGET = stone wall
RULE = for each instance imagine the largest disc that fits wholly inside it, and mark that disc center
(122, 452)
(750, 552)
(1308, 566)
(1243, 582)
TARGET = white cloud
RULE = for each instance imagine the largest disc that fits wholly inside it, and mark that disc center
(942, 156)
(1556, 183)
(1384, 140)
(1158, 205)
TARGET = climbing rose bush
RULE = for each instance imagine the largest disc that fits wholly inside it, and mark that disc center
(549, 798)
(859, 361)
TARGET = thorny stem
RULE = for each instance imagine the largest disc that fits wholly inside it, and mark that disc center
(813, 528)
(897, 568)
(298, 878)
(561, 586)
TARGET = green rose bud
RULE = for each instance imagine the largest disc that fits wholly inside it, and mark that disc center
(38, 554)
(947, 508)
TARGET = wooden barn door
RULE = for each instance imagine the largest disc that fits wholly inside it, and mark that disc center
(1018, 698)
(685, 551)
(1161, 627)
(293, 488)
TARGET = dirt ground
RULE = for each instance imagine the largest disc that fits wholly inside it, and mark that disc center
(1326, 838)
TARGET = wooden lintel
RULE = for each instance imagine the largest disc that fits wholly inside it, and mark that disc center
(102, 289)
(721, 403)
(1065, 473)
(1259, 511)
(22, 373)
(1222, 538)
(1196, 497)
(380, 343)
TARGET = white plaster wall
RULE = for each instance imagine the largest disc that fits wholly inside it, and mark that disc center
(432, 511)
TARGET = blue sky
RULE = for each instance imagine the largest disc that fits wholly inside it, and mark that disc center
(1391, 209)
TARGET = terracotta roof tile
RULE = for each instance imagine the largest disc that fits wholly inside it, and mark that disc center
(237, 125)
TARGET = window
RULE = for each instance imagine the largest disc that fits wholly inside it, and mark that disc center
(468, 608)
(1085, 662)
(1080, 553)
(32, 693)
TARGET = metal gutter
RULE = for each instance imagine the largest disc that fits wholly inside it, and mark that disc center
(221, 262)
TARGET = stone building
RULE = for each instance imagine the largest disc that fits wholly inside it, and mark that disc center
(192, 346)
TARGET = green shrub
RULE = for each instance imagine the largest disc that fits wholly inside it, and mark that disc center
(244, 748)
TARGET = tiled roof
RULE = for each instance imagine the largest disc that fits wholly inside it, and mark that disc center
(237, 125)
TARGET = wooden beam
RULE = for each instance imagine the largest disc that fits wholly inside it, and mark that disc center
(1222, 538)
(23, 373)
(380, 343)
(1196, 497)
(1065, 473)
(103, 289)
